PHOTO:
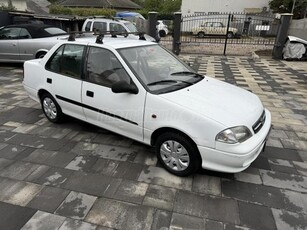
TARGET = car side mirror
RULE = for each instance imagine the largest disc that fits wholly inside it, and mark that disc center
(124, 87)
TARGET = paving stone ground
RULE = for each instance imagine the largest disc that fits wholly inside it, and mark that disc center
(77, 176)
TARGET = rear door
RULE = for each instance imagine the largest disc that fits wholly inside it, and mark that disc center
(64, 78)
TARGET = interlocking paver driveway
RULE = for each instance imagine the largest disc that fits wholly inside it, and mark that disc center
(77, 176)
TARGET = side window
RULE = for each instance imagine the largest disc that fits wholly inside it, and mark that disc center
(9, 33)
(67, 60)
(53, 63)
(103, 68)
(24, 34)
(117, 28)
(100, 26)
(88, 26)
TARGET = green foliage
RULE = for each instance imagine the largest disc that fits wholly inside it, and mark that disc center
(285, 6)
(58, 9)
(162, 6)
(165, 8)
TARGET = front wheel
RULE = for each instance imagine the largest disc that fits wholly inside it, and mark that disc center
(162, 33)
(51, 108)
(201, 35)
(177, 154)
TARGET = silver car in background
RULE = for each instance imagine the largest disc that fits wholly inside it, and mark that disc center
(19, 43)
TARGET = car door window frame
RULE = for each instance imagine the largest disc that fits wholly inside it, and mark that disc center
(60, 71)
(11, 29)
(102, 83)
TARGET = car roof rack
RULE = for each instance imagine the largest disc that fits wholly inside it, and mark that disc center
(100, 35)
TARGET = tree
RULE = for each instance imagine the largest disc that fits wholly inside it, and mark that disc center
(285, 6)
(163, 6)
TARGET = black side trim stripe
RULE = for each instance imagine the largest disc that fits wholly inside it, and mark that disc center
(94, 109)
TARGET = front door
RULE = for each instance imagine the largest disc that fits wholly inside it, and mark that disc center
(118, 112)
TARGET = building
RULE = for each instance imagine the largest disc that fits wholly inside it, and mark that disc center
(189, 7)
(119, 5)
(20, 5)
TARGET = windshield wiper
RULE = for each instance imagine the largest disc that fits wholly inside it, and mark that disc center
(167, 81)
(186, 73)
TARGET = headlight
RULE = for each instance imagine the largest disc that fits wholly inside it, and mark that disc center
(234, 135)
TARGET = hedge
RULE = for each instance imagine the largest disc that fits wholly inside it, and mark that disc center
(58, 9)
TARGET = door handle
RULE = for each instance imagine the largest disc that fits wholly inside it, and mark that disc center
(89, 93)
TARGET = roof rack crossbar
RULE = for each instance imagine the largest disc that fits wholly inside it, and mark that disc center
(114, 34)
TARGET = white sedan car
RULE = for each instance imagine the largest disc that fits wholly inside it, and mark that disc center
(140, 90)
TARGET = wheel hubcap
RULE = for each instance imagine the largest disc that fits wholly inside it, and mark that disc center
(174, 155)
(49, 108)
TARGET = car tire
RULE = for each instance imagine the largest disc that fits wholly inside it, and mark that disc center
(40, 54)
(51, 108)
(162, 33)
(201, 34)
(230, 35)
(175, 150)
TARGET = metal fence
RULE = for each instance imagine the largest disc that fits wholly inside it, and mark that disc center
(224, 33)
(235, 33)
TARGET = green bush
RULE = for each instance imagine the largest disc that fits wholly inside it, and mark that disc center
(58, 9)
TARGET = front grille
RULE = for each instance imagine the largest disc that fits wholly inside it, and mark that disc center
(259, 123)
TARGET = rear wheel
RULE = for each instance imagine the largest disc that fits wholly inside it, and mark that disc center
(51, 108)
(201, 34)
(230, 35)
(40, 54)
(177, 154)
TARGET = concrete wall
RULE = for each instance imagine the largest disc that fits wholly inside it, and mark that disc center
(20, 5)
(298, 28)
(189, 7)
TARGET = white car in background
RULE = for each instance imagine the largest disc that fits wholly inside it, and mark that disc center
(162, 28)
(102, 24)
(140, 90)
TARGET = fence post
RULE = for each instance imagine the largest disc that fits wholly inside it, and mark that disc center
(227, 31)
(152, 21)
(282, 34)
(176, 33)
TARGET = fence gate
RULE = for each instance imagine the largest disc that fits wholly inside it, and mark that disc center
(235, 33)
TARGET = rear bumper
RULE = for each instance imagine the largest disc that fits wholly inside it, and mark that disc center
(237, 157)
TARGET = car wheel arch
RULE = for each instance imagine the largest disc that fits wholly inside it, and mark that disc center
(41, 92)
(40, 52)
(158, 132)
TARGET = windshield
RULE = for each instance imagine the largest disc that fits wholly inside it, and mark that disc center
(131, 27)
(54, 31)
(158, 70)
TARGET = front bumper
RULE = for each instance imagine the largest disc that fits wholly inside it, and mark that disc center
(237, 157)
